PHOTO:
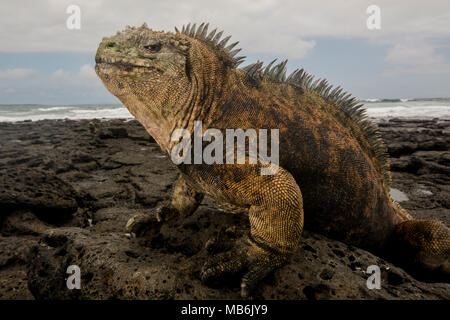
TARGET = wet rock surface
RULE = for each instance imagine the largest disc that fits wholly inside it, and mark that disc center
(39, 191)
(421, 170)
(67, 189)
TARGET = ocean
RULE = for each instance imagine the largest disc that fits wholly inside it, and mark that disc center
(376, 108)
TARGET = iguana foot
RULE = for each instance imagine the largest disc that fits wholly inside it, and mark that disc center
(148, 224)
(246, 257)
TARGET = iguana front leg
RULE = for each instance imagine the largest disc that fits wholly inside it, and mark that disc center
(184, 202)
(276, 223)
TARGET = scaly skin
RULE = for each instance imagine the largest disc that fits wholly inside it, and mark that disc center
(333, 171)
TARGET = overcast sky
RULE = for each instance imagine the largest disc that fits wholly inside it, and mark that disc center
(42, 61)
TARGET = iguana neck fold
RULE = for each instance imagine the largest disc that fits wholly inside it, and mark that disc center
(182, 101)
(208, 78)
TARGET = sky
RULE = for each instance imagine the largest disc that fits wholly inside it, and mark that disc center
(42, 61)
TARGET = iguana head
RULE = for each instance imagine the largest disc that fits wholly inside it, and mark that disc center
(139, 64)
(162, 76)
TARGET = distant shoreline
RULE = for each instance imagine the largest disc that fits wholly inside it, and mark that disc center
(363, 100)
(374, 119)
(387, 109)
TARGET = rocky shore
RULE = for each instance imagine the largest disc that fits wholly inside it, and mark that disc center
(67, 189)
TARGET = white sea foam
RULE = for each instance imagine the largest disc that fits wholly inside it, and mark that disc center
(376, 108)
(408, 111)
(13, 113)
(371, 100)
(49, 109)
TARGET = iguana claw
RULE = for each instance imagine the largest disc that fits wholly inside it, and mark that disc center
(246, 257)
(143, 224)
(219, 243)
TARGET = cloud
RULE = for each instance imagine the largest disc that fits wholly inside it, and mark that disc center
(9, 90)
(59, 86)
(286, 28)
(58, 74)
(85, 77)
(413, 34)
(416, 58)
(87, 73)
(15, 74)
(285, 46)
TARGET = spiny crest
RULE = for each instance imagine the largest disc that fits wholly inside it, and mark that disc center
(214, 38)
(276, 73)
(336, 96)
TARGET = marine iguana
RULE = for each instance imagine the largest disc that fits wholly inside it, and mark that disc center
(333, 175)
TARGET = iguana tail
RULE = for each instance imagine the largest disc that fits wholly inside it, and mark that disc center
(421, 246)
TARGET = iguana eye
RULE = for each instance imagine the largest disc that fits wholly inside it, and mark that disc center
(153, 47)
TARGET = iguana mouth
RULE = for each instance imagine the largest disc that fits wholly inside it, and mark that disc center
(123, 63)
